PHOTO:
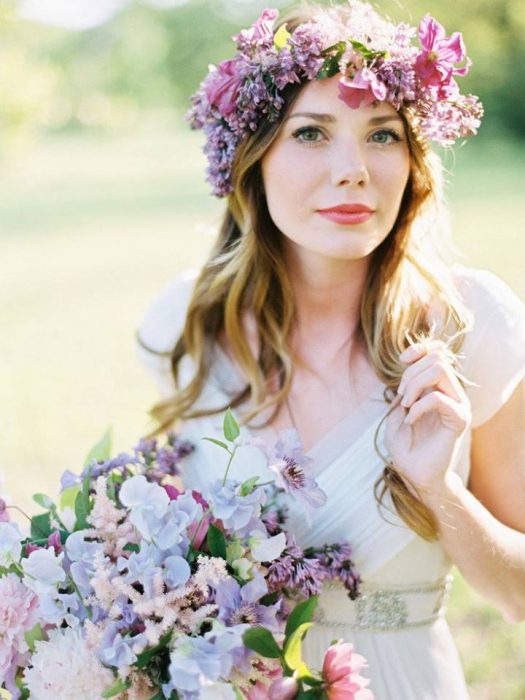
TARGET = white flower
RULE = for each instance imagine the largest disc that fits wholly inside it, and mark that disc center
(264, 548)
(65, 668)
(43, 569)
(10, 544)
(217, 691)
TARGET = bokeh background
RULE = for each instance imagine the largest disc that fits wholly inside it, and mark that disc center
(103, 202)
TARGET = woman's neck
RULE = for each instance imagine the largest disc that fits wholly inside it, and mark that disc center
(327, 295)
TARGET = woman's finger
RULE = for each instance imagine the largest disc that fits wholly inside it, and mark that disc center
(438, 375)
(454, 415)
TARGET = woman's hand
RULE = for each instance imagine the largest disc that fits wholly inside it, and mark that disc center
(429, 416)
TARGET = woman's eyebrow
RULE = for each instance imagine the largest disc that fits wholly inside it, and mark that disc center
(325, 118)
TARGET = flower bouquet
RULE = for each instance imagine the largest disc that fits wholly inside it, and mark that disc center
(134, 588)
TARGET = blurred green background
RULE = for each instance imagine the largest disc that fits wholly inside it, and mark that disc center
(103, 202)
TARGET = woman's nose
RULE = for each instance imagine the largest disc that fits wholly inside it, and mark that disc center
(349, 168)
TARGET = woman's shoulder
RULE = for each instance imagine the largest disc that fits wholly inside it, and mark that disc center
(164, 318)
(493, 352)
(484, 291)
(161, 326)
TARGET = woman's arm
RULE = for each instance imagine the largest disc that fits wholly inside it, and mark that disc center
(482, 528)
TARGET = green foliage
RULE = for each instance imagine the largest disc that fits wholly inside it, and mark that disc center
(302, 613)
(83, 505)
(102, 450)
(293, 652)
(262, 641)
(216, 542)
(230, 427)
(40, 526)
(118, 687)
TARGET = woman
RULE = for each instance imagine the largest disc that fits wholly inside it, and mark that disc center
(328, 305)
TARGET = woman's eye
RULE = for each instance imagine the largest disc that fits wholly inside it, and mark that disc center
(308, 134)
(385, 136)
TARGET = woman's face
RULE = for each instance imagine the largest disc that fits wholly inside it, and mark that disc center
(334, 177)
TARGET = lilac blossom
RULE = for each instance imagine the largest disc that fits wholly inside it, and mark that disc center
(294, 571)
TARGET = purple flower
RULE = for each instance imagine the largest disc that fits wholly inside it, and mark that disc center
(193, 659)
(222, 86)
(290, 471)
(260, 33)
(296, 572)
(240, 605)
(238, 513)
(336, 561)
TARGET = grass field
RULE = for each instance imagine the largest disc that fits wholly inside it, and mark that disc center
(91, 228)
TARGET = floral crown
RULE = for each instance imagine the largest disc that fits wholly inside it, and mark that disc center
(375, 59)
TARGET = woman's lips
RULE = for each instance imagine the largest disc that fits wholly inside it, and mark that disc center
(347, 214)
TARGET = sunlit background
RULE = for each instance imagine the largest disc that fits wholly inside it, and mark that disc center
(103, 202)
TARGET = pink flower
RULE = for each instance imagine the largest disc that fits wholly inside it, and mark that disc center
(283, 689)
(261, 31)
(363, 89)
(172, 492)
(4, 515)
(341, 669)
(18, 614)
(222, 86)
(435, 63)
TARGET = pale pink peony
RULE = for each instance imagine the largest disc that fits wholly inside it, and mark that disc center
(18, 614)
(64, 667)
(341, 672)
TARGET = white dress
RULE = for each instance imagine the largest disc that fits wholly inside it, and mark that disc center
(397, 623)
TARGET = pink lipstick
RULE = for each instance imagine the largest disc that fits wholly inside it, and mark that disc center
(347, 214)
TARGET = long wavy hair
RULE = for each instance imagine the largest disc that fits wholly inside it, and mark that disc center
(409, 294)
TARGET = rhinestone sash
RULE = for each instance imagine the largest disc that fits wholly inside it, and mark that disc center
(383, 609)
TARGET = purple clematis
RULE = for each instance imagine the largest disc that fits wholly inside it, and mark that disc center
(290, 469)
(239, 605)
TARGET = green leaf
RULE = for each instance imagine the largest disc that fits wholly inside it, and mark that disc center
(43, 500)
(35, 634)
(230, 427)
(248, 486)
(293, 651)
(216, 542)
(68, 496)
(303, 612)
(158, 696)
(131, 547)
(261, 640)
(83, 504)
(102, 450)
(41, 526)
(329, 68)
(311, 694)
(218, 442)
(146, 656)
(118, 687)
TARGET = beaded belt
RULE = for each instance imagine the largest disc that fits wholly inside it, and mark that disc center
(383, 609)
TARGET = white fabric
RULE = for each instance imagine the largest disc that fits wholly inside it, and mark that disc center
(419, 663)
